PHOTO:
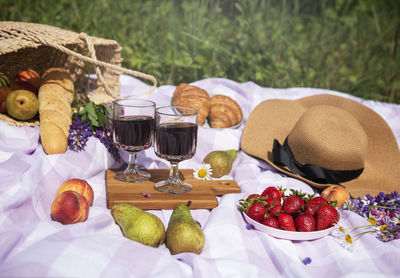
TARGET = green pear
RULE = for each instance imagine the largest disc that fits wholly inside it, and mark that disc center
(221, 162)
(183, 232)
(139, 225)
(22, 105)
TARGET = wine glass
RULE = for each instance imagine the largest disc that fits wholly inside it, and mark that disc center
(133, 126)
(175, 141)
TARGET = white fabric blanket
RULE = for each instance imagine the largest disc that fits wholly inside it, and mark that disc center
(32, 245)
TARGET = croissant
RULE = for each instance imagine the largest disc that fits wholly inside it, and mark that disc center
(194, 97)
(224, 112)
(55, 97)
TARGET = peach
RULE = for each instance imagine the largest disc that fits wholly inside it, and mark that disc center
(30, 76)
(80, 186)
(69, 207)
(336, 193)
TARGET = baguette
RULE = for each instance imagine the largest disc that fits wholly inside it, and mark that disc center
(55, 97)
(56, 141)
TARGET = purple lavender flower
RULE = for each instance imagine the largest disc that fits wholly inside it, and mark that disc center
(356, 205)
(306, 260)
(250, 227)
(369, 198)
(385, 236)
(385, 220)
(92, 120)
(378, 215)
(390, 232)
(79, 134)
(107, 140)
(384, 209)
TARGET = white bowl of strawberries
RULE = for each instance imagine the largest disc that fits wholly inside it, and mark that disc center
(293, 216)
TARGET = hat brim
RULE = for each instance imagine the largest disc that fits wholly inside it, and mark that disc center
(274, 119)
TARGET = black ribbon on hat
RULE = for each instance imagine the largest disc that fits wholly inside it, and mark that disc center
(283, 156)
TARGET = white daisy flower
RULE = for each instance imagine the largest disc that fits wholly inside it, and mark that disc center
(343, 237)
(203, 172)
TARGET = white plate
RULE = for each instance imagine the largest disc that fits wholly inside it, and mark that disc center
(207, 125)
(279, 233)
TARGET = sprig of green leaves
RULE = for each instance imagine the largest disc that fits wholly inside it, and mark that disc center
(97, 115)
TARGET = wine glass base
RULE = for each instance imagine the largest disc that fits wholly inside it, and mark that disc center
(173, 187)
(132, 176)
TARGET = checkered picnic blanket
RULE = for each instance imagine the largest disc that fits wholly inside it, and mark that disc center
(32, 245)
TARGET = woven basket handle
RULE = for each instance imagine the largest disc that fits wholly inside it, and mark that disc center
(93, 60)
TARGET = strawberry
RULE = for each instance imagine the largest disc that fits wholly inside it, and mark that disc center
(317, 200)
(272, 192)
(275, 209)
(326, 216)
(256, 211)
(282, 191)
(286, 222)
(269, 201)
(311, 208)
(252, 196)
(271, 222)
(253, 206)
(314, 204)
(292, 204)
(305, 223)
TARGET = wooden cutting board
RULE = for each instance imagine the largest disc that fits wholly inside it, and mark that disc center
(203, 193)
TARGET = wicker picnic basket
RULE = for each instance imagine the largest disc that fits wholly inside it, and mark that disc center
(40, 47)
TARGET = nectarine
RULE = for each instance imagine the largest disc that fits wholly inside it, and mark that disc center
(80, 186)
(30, 76)
(69, 207)
(336, 193)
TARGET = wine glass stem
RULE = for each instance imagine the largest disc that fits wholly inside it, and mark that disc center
(174, 173)
(132, 163)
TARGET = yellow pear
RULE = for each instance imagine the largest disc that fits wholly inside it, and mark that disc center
(183, 233)
(22, 105)
(221, 162)
(139, 225)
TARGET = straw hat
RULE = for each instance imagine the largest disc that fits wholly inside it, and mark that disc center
(324, 140)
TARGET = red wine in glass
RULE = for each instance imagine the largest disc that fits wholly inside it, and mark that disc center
(133, 126)
(133, 133)
(176, 141)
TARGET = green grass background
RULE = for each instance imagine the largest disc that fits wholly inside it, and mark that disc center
(350, 46)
